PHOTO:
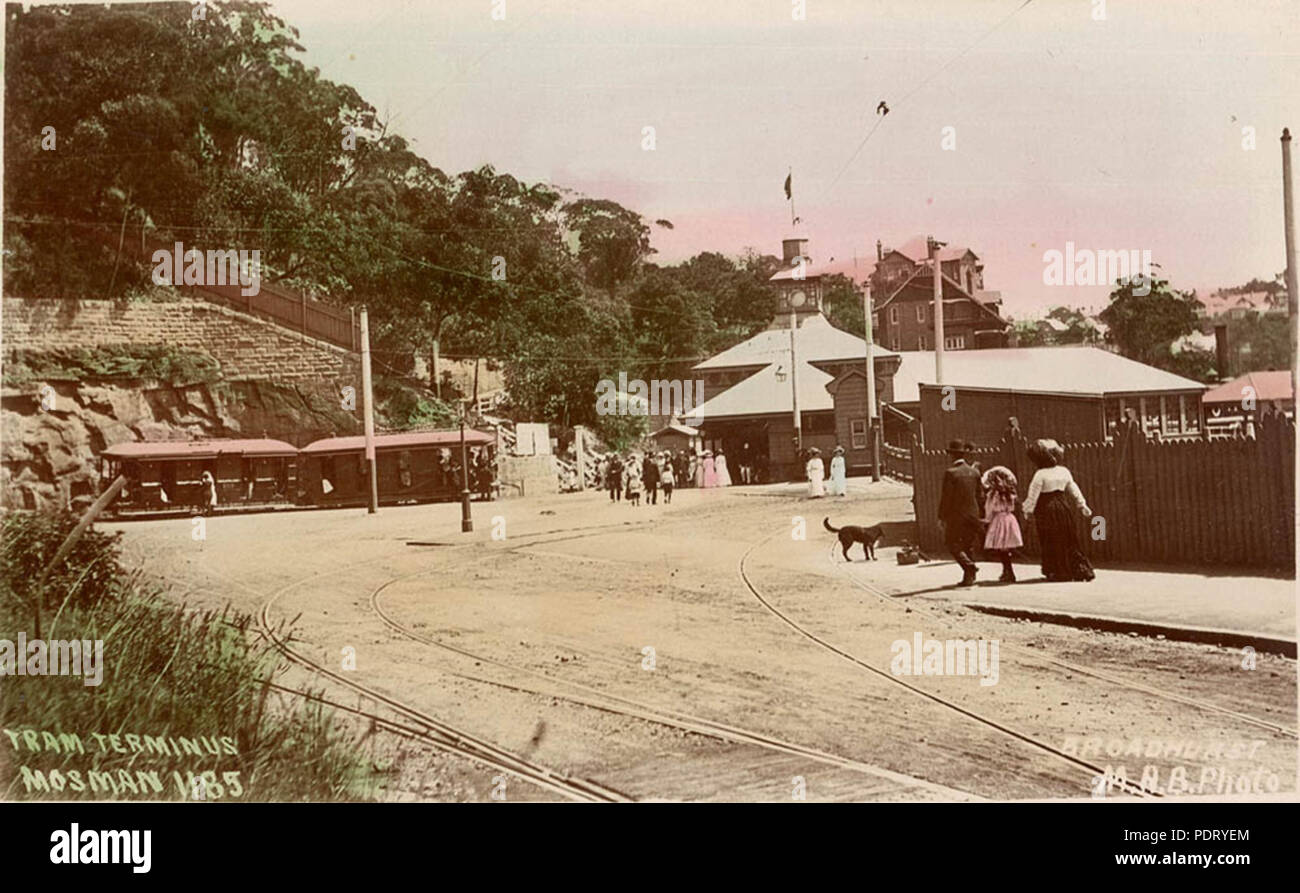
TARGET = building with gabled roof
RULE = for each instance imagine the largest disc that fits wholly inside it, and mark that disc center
(749, 390)
(903, 291)
(1073, 393)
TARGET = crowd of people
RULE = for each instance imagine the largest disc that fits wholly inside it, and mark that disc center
(981, 509)
(635, 475)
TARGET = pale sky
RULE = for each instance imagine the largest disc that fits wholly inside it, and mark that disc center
(1124, 133)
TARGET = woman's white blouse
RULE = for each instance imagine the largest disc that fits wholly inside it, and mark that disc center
(1050, 480)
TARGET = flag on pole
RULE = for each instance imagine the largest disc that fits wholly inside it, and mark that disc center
(787, 184)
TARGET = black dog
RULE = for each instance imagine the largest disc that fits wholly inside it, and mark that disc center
(852, 533)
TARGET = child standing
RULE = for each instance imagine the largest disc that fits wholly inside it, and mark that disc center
(1003, 536)
(668, 480)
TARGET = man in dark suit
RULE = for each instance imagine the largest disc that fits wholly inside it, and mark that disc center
(960, 510)
(650, 476)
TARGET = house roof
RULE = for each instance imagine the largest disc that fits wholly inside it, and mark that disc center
(1216, 302)
(857, 269)
(916, 249)
(1077, 370)
(1267, 385)
(199, 449)
(409, 440)
(677, 428)
(921, 283)
(816, 341)
(762, 394)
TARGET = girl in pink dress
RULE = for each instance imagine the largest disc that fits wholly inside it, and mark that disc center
(1003, 536)
(710, 476)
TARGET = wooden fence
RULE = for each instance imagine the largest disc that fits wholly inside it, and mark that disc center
(1220, 502)
(282, 305)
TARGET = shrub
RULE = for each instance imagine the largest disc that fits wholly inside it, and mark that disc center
(168, 673)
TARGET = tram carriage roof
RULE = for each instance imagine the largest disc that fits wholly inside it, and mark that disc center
(406, 441)
(200, 449)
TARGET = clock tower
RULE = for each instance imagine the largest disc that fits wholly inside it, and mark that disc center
(798, 288)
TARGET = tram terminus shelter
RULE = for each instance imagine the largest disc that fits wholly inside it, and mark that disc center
(748, 410)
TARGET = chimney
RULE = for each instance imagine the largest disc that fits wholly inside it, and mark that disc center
(880, 250)
(792, 248)
(1221, 351)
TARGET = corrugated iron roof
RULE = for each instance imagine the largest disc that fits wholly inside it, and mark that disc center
(676, 428)
(1070, 369)
(762, 394)
(816, 341)
(407, 440)
(1268, 385)
(199, 449)
(857, 269)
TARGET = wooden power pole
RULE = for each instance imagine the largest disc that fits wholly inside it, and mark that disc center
(368, 413)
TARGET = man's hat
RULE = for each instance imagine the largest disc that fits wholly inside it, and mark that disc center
(956, 446)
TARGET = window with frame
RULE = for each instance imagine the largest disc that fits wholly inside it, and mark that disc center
(893, 315)
(819, 422)
(920, 312)
(954, 342)
(858, 433)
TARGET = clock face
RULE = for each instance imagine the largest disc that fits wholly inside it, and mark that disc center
(797, 298)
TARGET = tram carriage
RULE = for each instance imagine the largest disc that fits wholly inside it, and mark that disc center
(412, 467)
(167, 476)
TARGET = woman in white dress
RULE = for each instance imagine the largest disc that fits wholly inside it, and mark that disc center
(839, 486)
(816, 474)
(720, 469)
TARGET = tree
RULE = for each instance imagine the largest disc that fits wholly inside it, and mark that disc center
(842, 301)
(1145, 326)
(612, 241)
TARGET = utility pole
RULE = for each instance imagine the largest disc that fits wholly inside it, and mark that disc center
(580, 456)
(872, 422)
(938, 306)
(466, 521)
(794, 392)
(1288, 208)
(368, 413)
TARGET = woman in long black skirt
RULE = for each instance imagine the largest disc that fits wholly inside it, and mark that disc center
(1055, 501)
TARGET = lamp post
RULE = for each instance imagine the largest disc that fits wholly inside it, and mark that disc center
(797, 299)
(466, 522)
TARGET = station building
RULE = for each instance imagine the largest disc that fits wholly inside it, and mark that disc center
(749, 389)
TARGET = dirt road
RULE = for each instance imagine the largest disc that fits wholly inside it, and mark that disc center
(622, 645)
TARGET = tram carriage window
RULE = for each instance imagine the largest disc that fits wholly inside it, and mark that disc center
(404, 468)
(327, 474)
(167, 482)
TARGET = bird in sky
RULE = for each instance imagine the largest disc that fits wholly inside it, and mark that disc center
(882, 109)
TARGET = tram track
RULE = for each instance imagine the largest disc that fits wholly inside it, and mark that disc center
(587, 696)
(1092, 770)
(429, 729)
(1151, 690)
